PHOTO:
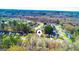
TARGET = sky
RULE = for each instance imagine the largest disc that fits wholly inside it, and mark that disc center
(68, 5)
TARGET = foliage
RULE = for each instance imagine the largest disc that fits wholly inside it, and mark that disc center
(48, 29)
(10, 40)
(32, 30)
(31, 41)
(69, 28)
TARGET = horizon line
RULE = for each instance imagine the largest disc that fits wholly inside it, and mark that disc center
(50, 10)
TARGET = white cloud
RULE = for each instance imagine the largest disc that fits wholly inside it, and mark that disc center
(40, 4)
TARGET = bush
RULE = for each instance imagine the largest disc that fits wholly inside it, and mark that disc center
(10, 40)
(32, 31)
(29, 36)
(48, 29)
(69, 28)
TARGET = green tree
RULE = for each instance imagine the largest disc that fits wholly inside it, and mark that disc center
(48, 29)
(10, 40)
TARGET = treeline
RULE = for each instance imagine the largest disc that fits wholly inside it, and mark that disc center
(39, 13)
(13, 25)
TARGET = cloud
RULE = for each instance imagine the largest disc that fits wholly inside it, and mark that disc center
(40, 4)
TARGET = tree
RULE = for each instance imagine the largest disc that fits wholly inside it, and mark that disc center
(48, 29)
(24, 28)
(58, 22)
(78, 30)
(3, 25)
(10, 40)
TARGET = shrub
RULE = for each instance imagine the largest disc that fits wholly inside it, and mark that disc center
(10, 40)
(32, 31)
(48, 29)
(69, 28)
